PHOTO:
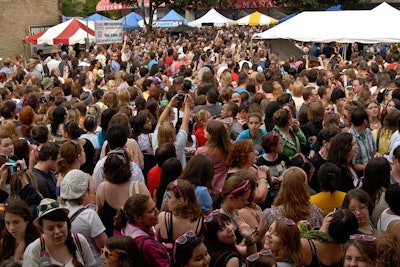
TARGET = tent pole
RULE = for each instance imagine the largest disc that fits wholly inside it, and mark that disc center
(87, 32)
(251, 48)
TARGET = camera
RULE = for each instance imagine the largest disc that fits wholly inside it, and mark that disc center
(181, 96)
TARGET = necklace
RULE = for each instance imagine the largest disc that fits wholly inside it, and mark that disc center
(230, 215)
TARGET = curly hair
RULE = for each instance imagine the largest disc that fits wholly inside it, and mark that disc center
(117, 167)
(239, 153)
(293, 195)
(387, 249)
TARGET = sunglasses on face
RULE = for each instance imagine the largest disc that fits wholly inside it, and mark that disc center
(244, 187)
(45, 207)
(104, 251)
(182, 240)
(256, 256)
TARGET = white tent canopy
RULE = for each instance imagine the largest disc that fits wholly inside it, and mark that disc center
(211, 17)
(365, 26)
(255, 19)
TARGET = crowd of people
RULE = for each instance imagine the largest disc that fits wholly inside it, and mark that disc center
(182, 150)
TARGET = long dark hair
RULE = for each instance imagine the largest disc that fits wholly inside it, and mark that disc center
(376, 178)
(213, 244)
(58, 115)
(20, 208)
(171, 170)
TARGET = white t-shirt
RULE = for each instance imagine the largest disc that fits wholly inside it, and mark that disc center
(32, 254)
(89, 224)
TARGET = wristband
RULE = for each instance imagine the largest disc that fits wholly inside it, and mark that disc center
(262, 180)
(168, 106)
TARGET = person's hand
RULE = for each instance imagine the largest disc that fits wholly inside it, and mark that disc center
(262, 172)
(188, 102)
(294, 123)
(22, 164)
(172, 101)
(325, 223)
(244, 229)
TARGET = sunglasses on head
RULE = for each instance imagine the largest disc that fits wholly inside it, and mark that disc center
(367, 238)
(255, 256)
(107, 253)
(119, 153)
(45, 207)
(289, 222)
(210, 217)
(89, 116)
(176, 185)
(244, 187)
(182, 240)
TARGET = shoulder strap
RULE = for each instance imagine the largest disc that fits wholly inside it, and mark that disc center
(131, 188)
(312, 247)
(377, 139)
(198, 225)
(76, 214)
(168, 225)
(78, 244)
(42, 244)
(136, 185)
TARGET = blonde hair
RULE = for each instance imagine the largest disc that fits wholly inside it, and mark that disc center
(298, 89)
(277, 89)
(123, 98)
(9, 128)
(293, 195)
(166, 133)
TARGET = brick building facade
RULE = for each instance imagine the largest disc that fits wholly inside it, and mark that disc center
(15, 18)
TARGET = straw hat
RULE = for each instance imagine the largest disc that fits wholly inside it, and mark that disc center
(46, 206)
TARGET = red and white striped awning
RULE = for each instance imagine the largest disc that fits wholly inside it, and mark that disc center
(106, 5)
(69, 32)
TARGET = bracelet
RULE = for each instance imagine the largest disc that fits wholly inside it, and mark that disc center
(92, 195)
(168, 106)
(262, 180)
(250, 242)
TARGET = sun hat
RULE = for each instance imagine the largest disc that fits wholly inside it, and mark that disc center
(46, 206)
(74, 184)
(47, 82)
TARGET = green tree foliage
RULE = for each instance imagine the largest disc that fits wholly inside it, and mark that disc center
(301, 5)
(154, 4)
